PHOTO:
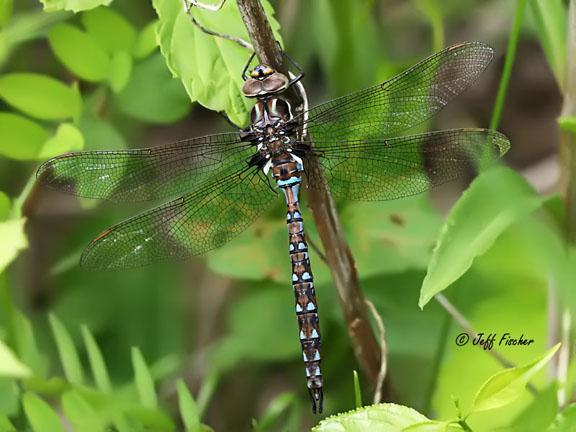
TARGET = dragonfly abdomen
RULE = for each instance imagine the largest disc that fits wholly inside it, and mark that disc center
(286, 171)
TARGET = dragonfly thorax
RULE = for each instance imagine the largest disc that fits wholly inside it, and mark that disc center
(271, 111)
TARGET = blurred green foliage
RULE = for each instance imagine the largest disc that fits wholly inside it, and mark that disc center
(213, 341)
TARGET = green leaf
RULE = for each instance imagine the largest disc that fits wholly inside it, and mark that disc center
(13, 240)
(67, 351)
(435, 426)
(188, 408)
(26, 346)
(506, 386)
(374, 418)
(541, 412)
(143, 378)
(110, 29)
(80, 52)
(5, 425)
(97, 364)
(10, 398)
(210, 68)
(146, 42)
(565, 420)
(567, 124)
(41, 416)
(207, 389)
(550, 17)
(265, 304)
(403, 232)
(120, 70)
(80, 413)
(4, 206)
(333, 23)
(67, 138)
(73, 5)
(275, 414)
(148, 419)
(253, 255)
(163, 102)
(10, 366)
(40, 96)
(6, 8)
(100, 134)
(20, 138)
(474, 223)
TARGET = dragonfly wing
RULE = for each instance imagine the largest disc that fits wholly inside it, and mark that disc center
(403, 101)
(144, 174)
(373, 170)
(196, 223)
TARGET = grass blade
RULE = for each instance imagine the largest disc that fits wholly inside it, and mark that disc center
(508, 63)
(143, 379)
(97, 364)
(357, 392)
(550, 19)
(67, 351)
(41, 416)
(188, 408)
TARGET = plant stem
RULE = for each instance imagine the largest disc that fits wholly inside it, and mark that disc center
(568, 150)
(357, 392)
(508, 63)
(568, 139)
(383, 352)
(338, 255)
(467, 327)
(24, 27)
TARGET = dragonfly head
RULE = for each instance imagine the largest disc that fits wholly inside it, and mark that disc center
(264, 81)
(261, 71)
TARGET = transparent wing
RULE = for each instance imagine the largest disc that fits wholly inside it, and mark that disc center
(372, 170)
(196, 223)
(402, 102)
(145, 174)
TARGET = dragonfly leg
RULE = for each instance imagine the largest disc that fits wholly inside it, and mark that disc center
(296, 78)
(297, 66)
(244, 77)
(188, 4)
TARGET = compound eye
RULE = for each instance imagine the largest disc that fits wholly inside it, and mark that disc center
(261, 71)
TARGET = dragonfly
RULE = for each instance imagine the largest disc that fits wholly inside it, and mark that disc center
(216, 186)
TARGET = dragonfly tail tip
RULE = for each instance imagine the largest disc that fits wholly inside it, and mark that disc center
(317, 399)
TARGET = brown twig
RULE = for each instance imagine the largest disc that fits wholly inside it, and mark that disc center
(338, 256)
(383, 352)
